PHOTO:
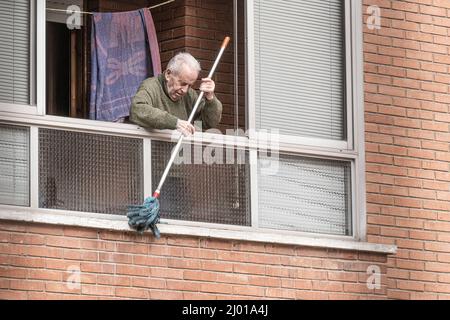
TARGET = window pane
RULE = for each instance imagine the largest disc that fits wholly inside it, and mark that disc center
(15, 51)
(197, 191)
(308, 195)
(14, 165)
(89, 172)
(299, 67)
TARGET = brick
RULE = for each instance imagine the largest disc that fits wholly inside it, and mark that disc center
(150, 261)
(249, 268)
(216, 288)
(183, 285)
(27, 285)
(422, 235)
(97, 290)
(13, 295)
(131, 270)
(80, 233)
(397, 294)
(280, 293)
(410, 265)
(62, 287)
(435, 165)
(216, 266)
(132, 293)
(436, 267)
(396, 211)
(121, 281)
(249, 291)
(410, 285)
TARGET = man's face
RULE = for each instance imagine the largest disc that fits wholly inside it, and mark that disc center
(179, 84)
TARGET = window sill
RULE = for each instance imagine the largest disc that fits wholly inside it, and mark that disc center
(120, 223)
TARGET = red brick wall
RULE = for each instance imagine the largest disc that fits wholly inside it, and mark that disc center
(36, 262)
(407, 144)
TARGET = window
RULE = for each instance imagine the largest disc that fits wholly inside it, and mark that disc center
(291, 92)
(14, 165)
(15, 52)
(309, 195)
(89, 172)
(302, 59)
(300, 67)
(68, 52)
(195, 191)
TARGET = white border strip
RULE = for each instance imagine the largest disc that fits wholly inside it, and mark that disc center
(34, 167)
(359, 128)
(40, 57)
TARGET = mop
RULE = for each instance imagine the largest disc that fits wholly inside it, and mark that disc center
(147, 215)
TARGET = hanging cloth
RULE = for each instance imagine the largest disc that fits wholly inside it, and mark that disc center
(124, 52)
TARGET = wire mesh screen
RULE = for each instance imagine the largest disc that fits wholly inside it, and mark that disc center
(89, 172)
(14, 165)
(308, 195)
(203, 185)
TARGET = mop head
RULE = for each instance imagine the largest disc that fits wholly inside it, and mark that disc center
(142, 217)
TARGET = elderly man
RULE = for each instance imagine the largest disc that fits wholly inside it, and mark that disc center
(166, 101)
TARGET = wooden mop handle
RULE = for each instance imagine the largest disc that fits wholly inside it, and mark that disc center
(191, 117)
(225, 42)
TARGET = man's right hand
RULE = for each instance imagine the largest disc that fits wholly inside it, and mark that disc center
(185, 128)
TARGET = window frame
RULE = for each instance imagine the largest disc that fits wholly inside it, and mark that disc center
(353, 152)
(352, 149)
(37, 65)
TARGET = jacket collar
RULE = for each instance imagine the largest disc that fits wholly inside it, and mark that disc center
(162, 80)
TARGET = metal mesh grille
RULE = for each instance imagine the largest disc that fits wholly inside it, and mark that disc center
(308, 195)
(89, 172)
(197, 191)
(14, 165)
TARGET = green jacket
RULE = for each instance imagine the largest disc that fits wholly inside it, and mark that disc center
(152, 108)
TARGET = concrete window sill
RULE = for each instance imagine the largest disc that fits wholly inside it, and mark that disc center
(120, 223)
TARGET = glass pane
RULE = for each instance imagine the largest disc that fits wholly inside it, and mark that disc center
(308, 195)
(15, 51)
(197, 191)
(300, 67)
(89, 172)
(14, 165)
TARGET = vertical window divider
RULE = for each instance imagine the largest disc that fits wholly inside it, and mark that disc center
(253, 155)
(251, 125)
(34, 167)
(358, 114)
(349, 67)
(40, 57)
(32, 47)
(250, 60)
(147, 166)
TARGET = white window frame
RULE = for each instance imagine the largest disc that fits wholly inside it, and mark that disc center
(352, 149)
(353, 152)
(37, 65)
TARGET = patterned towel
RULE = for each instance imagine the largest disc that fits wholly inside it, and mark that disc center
(124, 52)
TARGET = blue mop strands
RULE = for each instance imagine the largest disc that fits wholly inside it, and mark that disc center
(142, 217)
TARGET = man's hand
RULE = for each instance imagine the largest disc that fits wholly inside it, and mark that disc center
(208, 86)
(185, 128)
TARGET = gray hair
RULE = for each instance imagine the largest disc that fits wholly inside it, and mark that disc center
(183, 58)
